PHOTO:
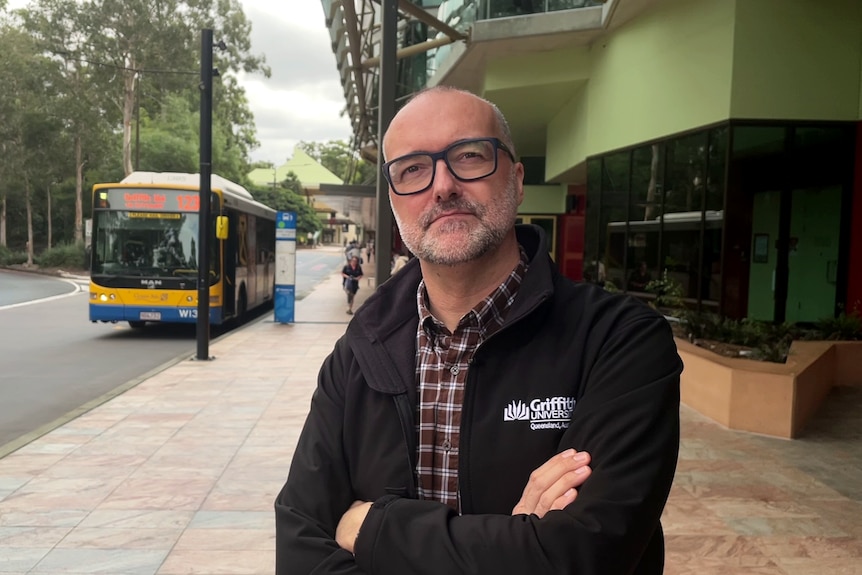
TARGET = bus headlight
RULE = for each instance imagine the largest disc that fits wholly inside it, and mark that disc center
(102, 296)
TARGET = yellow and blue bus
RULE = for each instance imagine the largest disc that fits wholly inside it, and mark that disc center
(144, 250)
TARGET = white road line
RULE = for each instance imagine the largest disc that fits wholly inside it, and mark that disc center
(78, 289)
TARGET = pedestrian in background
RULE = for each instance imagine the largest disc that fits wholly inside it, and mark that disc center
(351, 274)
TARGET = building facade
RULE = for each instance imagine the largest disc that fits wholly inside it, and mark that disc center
(716, 143)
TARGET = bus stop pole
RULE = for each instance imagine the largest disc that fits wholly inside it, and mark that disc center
(204, 227)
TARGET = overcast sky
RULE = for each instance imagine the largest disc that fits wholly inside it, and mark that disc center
(303, 99)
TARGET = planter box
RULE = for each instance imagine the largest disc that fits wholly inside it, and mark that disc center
(771, 398)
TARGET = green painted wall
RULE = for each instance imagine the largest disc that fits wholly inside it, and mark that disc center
(666, 71)
(567, 135)
(544, 200)
(797, 59)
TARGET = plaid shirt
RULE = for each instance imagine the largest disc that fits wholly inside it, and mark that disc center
(442, 360)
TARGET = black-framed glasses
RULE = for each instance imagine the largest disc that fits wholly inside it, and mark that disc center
(467, 160)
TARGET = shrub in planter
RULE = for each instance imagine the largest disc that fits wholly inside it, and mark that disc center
(844, 327)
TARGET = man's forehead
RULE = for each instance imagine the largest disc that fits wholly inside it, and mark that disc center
(434, 121)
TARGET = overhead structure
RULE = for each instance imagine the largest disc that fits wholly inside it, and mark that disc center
(355, 28)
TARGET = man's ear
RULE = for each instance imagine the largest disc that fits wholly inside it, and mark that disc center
(519, 181)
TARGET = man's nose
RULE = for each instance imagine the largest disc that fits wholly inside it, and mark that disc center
(445, 185)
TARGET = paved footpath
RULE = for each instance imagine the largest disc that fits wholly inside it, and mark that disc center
(177, 476)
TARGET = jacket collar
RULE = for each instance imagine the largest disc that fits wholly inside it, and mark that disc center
(383, 330)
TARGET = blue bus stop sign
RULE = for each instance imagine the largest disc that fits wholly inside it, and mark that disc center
(285, 267)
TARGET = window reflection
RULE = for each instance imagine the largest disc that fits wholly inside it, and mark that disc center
(644, 210)
(145, 243)
(593, 264)
(659, 209)
(682, 210)
(615, 191)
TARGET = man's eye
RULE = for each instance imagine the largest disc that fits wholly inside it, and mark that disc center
(410, 171)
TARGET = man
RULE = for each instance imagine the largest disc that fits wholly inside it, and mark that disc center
(482, 414)
(353, 251)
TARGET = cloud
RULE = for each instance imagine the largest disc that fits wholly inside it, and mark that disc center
(303, 99)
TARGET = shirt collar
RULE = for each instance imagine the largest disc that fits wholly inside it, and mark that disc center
(488, 314)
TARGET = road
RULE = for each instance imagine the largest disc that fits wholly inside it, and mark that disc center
(53, 361)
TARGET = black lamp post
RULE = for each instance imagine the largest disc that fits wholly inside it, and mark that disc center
(204, 226)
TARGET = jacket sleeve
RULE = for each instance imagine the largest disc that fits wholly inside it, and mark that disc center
(627, 418)
(317, 491)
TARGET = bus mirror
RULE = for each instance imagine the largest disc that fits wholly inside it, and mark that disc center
(221, 227)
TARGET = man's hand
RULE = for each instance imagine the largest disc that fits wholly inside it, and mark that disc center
(351, 521)
(553, 485)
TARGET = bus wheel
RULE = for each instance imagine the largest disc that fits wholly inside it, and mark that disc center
(137, 324)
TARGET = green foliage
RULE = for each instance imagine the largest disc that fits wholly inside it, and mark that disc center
(67, 256)
(668, 294)
(768, 341)
(775, 351)
(75, 77)
(11, 258)
(339, 158)
(844, 327)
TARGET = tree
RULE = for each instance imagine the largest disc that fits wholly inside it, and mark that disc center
(339, 158)
(30, 132)
(59, 27)
(169, 141)
(126, 42)
(122, 65)
(288, 198)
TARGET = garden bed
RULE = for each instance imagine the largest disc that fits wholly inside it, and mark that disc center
(775, 399)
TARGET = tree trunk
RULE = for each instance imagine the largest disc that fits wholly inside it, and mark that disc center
(651, 188)
(50, 241)
(29, 222)
(3, 220)
(79, 193)
(128, 109)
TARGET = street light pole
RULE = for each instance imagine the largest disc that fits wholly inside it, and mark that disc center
(204, 226)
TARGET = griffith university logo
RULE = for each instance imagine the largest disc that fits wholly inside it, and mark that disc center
(548, 413)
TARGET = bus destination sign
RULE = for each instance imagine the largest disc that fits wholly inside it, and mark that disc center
(148, 200)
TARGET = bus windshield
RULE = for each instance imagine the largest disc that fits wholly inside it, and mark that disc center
(152, 244)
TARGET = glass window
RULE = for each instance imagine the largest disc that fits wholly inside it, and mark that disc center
(642, 245)
(710, 291)
(145, 243)
(682, 211)
(821, 155)
(591, 225)
(758, 140)
(616, 176)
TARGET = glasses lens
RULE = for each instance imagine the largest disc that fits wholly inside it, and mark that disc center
(411, 173)
(472, 160)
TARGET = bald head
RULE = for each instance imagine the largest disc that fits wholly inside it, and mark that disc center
(445, 115)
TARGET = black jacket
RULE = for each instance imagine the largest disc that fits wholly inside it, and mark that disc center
(613, 355)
